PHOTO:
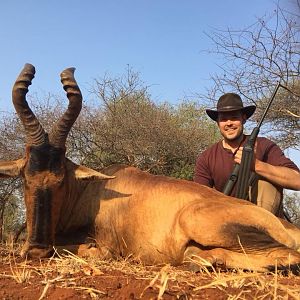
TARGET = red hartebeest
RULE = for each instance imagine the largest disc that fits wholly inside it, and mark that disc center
(127, 211)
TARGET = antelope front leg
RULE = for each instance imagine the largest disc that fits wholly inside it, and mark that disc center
(84, 250)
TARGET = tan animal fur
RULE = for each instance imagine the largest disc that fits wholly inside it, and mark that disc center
(125, 211)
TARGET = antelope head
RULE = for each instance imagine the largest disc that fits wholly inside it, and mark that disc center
(44, 167)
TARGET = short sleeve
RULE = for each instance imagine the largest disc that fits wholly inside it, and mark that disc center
(274, 155)
(202, 174)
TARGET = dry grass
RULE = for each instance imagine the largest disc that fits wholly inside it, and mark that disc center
(66, 270)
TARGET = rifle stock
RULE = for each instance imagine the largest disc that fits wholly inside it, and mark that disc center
(245, 167)
(232, 180)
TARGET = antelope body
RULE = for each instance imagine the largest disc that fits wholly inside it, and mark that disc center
(126, 211)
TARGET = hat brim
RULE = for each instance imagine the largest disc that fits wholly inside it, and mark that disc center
(247, 110)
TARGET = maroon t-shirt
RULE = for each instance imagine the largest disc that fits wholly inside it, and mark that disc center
(215, 165)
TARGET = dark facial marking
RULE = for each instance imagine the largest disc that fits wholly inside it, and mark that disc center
(45, 158)
(41, 233)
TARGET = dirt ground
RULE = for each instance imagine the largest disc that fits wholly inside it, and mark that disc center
(71, 277)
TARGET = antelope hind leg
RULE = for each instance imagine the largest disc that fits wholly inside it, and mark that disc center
(293, 231)
(227, 234)
(218, 257)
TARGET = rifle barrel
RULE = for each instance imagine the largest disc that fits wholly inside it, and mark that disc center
(269, 104)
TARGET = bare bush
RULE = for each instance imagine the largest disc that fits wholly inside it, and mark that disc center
(11, 147)
(292, 207)
(256, 59)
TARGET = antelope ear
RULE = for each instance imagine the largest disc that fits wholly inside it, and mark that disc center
(85, 173)
(11, 168)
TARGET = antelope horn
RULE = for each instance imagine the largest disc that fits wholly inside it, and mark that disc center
(34, 131)
(63, 126)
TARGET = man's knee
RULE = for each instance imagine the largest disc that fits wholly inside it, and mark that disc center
(269, 197)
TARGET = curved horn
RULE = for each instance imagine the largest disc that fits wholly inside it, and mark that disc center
(34, 131)
(63, 126)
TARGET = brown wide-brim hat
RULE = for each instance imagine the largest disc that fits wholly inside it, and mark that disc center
(230, 102)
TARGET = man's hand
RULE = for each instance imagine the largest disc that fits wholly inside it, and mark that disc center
(238, 157)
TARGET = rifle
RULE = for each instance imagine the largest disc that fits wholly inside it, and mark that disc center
(241, 172)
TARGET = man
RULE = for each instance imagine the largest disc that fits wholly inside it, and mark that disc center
(273, 170)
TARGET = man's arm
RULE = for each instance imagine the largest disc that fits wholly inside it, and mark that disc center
(279, 175)
(282, 176)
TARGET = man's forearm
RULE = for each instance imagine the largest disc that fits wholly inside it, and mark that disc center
(282, 176)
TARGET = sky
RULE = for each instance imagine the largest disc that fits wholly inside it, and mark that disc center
(162, 40)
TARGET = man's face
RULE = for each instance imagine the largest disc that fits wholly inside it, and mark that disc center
(231, 124)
